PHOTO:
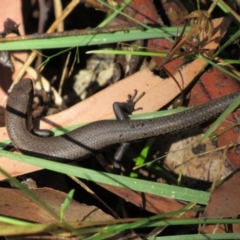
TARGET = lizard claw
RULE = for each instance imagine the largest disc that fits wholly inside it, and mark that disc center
(132, 101)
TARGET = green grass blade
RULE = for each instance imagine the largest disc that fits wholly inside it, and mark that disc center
(65, 204)
(164, 190)
(114, 14)
(87, 40)
(135, 53)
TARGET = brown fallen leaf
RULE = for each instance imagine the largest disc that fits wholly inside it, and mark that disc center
(192, 158)
(16, 204)
(224, 200)
(224, 203)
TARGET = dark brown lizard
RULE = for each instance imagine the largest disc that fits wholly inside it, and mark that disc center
(95, 136)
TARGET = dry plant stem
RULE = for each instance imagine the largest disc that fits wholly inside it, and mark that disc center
(211, 8)
(52, 28)
(64, 73)
(76, 32)
(37, 64)
(86, 188)
(64, 14)
(43, 9)
(39, 79)
(176, 46)
(58, 12)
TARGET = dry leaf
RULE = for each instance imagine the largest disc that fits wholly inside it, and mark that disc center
(224, 200)
(14, 203)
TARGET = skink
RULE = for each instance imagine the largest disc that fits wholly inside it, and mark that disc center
(96, 136)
